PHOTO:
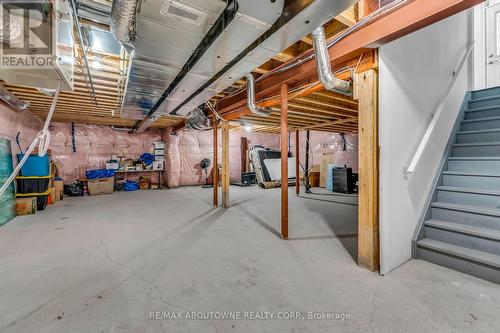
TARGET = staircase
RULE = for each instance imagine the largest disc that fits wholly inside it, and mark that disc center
(462, 225)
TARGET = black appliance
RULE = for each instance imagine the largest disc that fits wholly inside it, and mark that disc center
(343, 180)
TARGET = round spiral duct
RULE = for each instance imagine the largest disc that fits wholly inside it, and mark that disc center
(197, 120)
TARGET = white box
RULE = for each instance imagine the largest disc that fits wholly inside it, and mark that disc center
(159, 145)
(112, 166)
(159, 152)
(158, 165)
(160, 158)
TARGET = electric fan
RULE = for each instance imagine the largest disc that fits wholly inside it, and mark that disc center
(204, 164)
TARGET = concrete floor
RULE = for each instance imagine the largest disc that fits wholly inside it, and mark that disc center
(102, 264)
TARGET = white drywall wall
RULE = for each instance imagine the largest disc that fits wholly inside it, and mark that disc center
(414, 73)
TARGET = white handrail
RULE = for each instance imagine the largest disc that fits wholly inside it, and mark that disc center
(432, 125)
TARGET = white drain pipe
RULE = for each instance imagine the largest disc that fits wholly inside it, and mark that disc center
(330, 82)
(42, 139)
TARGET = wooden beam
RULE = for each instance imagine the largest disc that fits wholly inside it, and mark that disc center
(215, 159)
(225, 164)
(284, 161)
(297, 163)
(407, 18)
(368, 217)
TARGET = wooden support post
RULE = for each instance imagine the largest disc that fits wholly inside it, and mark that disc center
(297, 163)
(368, 216)
(244, 154)
(284, 161)
(215, 160)
(225, 164)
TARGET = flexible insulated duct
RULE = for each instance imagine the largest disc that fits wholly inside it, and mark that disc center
(122, 17)
(197, 120)
(251, 103)
(330, 82)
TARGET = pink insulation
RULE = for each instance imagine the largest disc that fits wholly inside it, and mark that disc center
(325, 142)
(184, 151)
(94, 144)
(188, 148)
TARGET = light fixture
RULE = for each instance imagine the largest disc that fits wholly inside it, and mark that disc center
(96, 65)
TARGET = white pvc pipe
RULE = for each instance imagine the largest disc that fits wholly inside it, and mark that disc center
(42, 138)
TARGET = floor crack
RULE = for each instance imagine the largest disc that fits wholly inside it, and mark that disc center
(157, 289)
(106, 255)
(372, 317)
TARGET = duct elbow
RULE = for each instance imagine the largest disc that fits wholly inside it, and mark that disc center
(122, 17)
(327, 78)
(251, 103)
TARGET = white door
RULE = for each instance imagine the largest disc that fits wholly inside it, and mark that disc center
(493, 45)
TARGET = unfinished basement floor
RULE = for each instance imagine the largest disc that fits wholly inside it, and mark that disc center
(102, 264)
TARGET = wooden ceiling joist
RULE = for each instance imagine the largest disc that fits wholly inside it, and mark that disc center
(355, 50)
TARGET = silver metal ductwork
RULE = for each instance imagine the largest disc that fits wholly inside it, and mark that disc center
(187, 51)
(122, 17)
(197, 120)
(330, 82)
(251, 103)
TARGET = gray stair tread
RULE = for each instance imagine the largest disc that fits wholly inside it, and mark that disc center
(484, 98)
(467, 209)
(475, 158)
(480, 119)
(462, 252)
(467, 190)
(473, 144)
(464, 228)
(483, 108)
(489, 130)
(472, 174)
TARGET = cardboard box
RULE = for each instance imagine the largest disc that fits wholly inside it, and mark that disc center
(314, 178)
(325, 160)
(59, 185)
(159, 152)
(52, 196)
(101, 186)
(158, 165)
(59, 195)
(26, 206)
(144, 182)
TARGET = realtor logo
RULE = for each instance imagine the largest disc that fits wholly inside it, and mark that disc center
(27, 32)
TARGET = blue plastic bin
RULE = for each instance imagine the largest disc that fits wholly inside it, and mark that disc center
(35, 166)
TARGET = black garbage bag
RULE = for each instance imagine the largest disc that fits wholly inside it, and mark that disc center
(74, 190)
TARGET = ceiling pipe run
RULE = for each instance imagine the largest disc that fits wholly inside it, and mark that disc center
(330, 82)
(122, 17)
(251, 103)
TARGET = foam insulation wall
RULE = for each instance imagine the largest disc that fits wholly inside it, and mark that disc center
(184, 151)
(328, 143)
(188, 148)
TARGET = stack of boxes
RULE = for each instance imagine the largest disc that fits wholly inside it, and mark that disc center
(159, 152)
(36, 187)
(33, 185)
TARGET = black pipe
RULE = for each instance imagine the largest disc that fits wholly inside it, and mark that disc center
(291, 9)
(217, 29)
(306, 173)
